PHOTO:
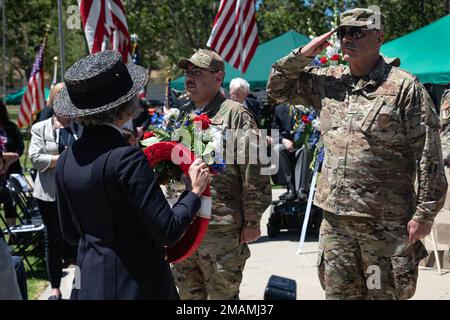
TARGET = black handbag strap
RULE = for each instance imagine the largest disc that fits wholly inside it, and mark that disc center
(98, 179)
(110, 259)
(98, 174)
(73, 213)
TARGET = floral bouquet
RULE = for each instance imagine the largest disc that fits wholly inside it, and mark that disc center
(194, 132)
(332, 55)
(307, 131)
(172, 143)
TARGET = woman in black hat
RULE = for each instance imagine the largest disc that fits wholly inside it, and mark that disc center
(108, 197)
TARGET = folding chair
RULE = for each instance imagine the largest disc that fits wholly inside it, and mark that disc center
(29, 233)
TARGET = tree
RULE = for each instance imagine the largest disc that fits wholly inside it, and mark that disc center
(275, 17)
(170, 29)
(27, 20)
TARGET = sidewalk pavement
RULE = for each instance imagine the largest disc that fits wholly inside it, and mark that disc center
(278, 256)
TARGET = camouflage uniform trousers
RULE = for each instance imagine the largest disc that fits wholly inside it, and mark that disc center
(214, 271)
(361, 258)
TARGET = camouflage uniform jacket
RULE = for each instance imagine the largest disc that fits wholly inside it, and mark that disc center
(445, 123)
(239, 194)
(375, 131)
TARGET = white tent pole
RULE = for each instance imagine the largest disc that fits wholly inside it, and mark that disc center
(308, 209)
(436, 253)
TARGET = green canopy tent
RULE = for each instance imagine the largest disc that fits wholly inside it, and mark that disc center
(424, 52)
(15, 98)
(266, 54)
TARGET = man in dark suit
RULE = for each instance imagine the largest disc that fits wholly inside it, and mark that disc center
(108, 197)
(284, 122)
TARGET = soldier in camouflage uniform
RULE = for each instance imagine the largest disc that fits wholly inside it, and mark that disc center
(240, 194)
(380, 131)
(445, 124)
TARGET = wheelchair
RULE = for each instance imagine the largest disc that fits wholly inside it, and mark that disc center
(288, 212)
(29, 232)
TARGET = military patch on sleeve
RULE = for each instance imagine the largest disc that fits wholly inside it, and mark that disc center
(384, 121)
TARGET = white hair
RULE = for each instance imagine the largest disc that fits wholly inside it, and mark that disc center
(237, 83)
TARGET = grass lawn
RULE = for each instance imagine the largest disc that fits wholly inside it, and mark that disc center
(37, 280)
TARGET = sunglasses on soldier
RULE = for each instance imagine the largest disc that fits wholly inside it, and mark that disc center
(354, 32)
(196, 72)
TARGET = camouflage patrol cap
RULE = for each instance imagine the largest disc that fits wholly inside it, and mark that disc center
(361, 17)
(205, 59)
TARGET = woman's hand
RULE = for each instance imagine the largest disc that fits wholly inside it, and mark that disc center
(199, 175)
(54, 161)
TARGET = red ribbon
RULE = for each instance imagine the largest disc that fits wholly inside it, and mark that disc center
(196, 231)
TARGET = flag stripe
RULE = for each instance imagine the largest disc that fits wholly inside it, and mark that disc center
(222, 24)
(235, 35)
(34, 98)
(105, 26)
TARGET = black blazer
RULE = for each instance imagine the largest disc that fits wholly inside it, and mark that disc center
(121, 240)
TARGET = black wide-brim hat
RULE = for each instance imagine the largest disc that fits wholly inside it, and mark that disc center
(98, 83)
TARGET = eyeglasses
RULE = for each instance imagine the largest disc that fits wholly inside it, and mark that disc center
(196, 72)
(354, 32)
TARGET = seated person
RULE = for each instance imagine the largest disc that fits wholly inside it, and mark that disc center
(13, 282)
(284, 121)
(240, 92)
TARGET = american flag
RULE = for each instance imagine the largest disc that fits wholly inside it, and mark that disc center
(235, 35)
(105, 26)
(33, 100)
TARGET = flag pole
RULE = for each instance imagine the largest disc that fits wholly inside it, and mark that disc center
(55, 72)
(4, 25)
(61, 39)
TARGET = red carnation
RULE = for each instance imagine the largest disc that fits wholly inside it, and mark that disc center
(204, 120)
(148, 134)
(335, 57)
(305, 119)
(323, 60)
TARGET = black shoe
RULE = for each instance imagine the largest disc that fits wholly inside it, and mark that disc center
(302, 196)
(55, 297)
(288, 195)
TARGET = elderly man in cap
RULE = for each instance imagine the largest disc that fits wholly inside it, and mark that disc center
(240, 92)
(380, 132)
(240, 194)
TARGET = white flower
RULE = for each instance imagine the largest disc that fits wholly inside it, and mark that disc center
(331, 51)
(316, 124)
(174, 112)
